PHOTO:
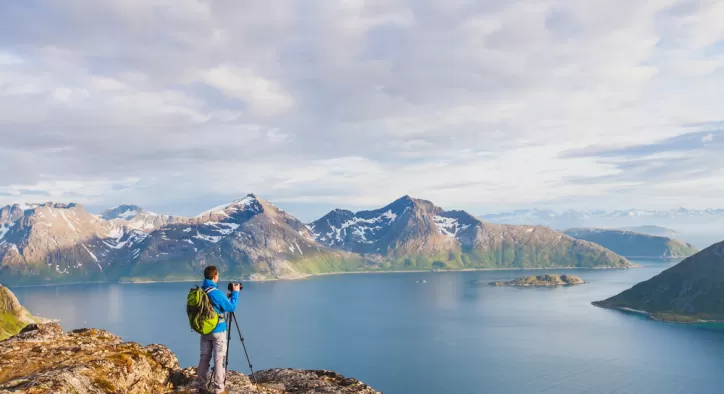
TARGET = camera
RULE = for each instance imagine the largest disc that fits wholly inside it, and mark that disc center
(230, 287)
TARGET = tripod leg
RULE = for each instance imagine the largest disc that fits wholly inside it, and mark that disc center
(228, 341)
(251, 368)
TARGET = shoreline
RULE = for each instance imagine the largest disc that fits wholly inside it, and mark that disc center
(651, 316)
(308, 276)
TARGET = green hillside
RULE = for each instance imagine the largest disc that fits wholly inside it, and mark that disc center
(689, 291)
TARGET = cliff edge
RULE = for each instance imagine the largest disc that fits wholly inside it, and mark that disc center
(44, 359)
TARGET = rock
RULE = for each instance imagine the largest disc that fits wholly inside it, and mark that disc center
(542, 281)
(300, 381)
(44, 359)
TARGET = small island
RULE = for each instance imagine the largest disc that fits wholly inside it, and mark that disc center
(542, 281)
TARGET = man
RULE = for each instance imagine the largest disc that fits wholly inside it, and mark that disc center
(216, 341)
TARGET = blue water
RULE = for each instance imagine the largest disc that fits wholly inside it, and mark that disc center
(443, 336)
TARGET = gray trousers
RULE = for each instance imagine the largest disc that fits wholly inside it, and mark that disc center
(215, 343)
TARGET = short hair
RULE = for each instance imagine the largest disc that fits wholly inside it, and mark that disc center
(210, 272)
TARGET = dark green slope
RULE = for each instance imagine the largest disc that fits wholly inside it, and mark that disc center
(689, 291)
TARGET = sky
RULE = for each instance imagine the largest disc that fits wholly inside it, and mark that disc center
(180, 105)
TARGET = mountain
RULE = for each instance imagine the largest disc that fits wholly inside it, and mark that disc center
(136, 218)
(51, 243)
(651, 230)
(631, 244)
(13, 317)
(690, 291)
(252, 238)
(609, 219)
(54, 240)
(415, 234)
(247, 238)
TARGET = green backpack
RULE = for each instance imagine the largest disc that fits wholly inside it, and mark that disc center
(202, 316)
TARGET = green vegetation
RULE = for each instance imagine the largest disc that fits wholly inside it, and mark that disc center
(690, 291)
(13, 317)
(9, 325)
(321, 263)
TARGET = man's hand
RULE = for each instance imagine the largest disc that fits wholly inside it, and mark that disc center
(236, 287)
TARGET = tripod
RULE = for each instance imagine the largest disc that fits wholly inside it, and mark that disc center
(229, 318)
(232, 317)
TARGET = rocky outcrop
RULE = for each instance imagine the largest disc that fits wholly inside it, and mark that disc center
(44, 359)
(13, 316)
(542, 281)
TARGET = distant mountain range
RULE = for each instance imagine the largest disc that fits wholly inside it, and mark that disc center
(690, 291)
(251, 238)
(651, 230)
(634, 245)
(136, 218)
(606, 219)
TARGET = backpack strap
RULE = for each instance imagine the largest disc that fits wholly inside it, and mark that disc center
(209, 290)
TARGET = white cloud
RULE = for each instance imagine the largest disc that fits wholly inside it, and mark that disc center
(468, 103)
(264, 96)
(708, 138)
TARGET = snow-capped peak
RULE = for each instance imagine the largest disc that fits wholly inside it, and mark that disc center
(123, 212)
(238, 205)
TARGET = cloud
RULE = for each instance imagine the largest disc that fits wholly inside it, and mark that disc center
(477, 105)
(262, 95)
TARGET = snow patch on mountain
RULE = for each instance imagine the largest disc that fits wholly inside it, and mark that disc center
(70, 225)
(360, 228)
(230, 227)
(127, 214)
(4, 228)
(235, 206)
(208, 238)
(449, 227)
(93, 256)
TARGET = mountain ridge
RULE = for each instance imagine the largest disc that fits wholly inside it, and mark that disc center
(607, 219)
(453, 239)
(252, 238)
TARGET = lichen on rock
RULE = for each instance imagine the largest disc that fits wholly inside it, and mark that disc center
(44, 359)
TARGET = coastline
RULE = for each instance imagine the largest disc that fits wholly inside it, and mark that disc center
(652, 316)
(308, 276)
(59, 284)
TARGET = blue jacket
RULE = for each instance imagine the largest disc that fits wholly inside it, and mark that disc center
(220, 302)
